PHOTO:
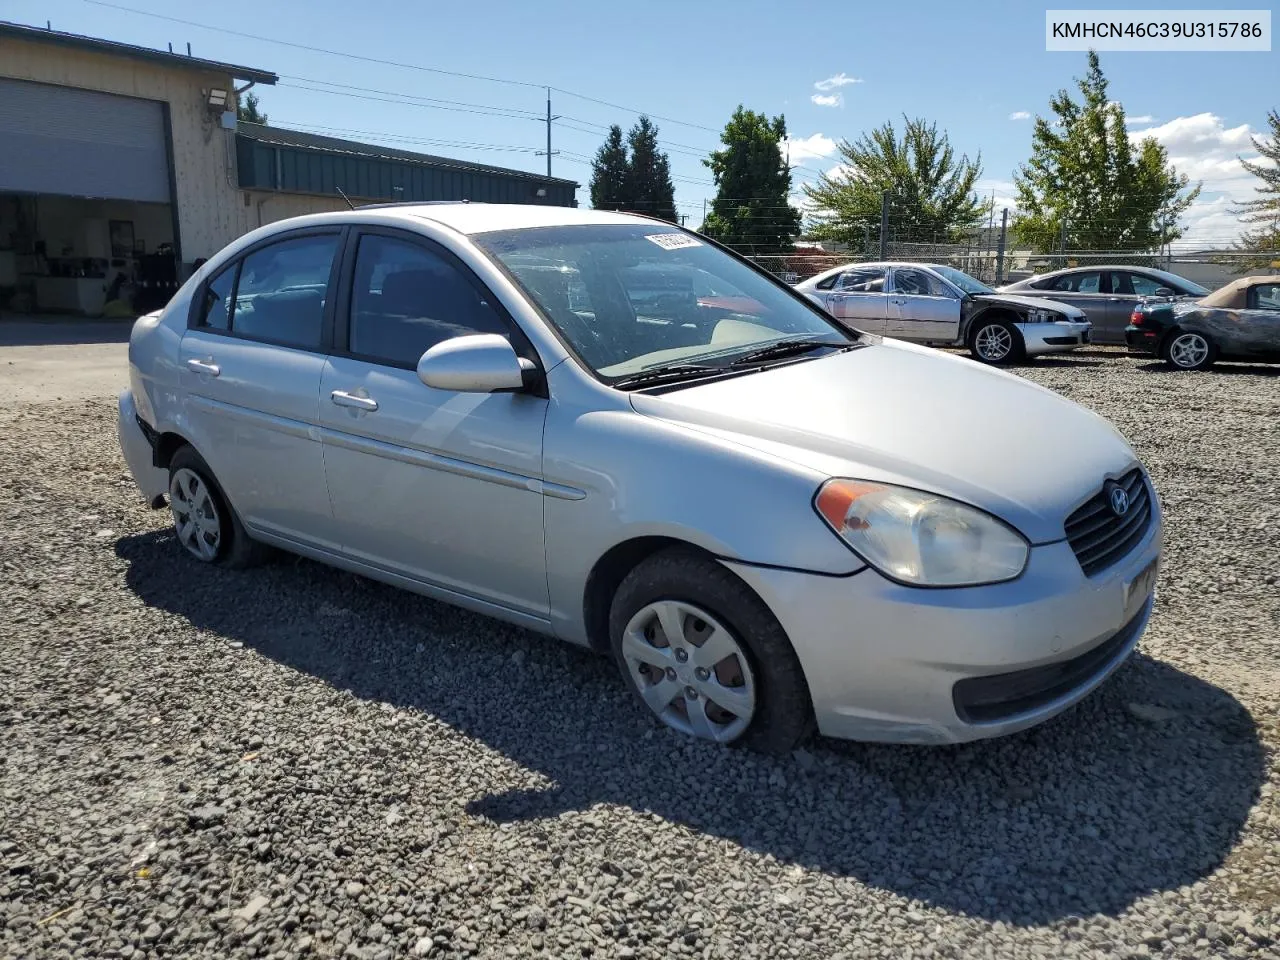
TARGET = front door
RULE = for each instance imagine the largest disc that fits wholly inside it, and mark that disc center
(250, 366)
(1083, 289)
(859, 297)
(922, 307)
(437, 486)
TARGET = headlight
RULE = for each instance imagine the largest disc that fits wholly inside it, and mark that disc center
(921, 539)
(1040, 316)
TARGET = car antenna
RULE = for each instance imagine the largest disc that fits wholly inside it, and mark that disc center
(344, 196)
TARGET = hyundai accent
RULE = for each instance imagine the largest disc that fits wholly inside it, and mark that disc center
(772, 521)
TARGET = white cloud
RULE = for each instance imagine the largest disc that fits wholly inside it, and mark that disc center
(834, 82)
(1005, 195)
(827, 99)
(1135, 121)
(1019, 115)
(810, 148)
(1206, 150)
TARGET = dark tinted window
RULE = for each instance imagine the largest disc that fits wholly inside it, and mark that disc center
(1138, 284)
(217, 300)
(1088, 282)
(407, 299)
(282, 289)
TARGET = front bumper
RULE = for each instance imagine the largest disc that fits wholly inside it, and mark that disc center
(883, 661)
(152, 481)
(1057, 337)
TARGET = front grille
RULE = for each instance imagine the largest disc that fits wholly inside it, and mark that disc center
(1006, 695)
(1099, 536)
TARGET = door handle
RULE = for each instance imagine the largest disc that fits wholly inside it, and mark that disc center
(344, 399)
(206, 367)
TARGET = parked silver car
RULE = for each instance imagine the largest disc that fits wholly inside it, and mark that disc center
(771, 522)
(1106, 294)
(936, 304)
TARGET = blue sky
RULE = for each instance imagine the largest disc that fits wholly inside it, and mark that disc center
(832, 69)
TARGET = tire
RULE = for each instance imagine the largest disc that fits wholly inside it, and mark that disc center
(1188, 350)
(217, 536)
(761, 671)
(987, 334)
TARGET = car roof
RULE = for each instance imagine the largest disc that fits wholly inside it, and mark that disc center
(472, 218)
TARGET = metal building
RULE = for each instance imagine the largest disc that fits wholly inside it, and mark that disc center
(121, 165)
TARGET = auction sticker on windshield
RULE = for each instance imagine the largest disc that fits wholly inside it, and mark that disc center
(673, 241)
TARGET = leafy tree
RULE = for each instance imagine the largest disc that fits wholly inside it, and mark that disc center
(1264, 210)
(1084, 170)
(610, 174)
(751, 211)
(931, 191)
(247, 112)
(649, 187)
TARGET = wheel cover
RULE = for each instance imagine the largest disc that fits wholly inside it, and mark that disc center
(690, 669)
(993, 342)
(1189, 350)
(195, 515)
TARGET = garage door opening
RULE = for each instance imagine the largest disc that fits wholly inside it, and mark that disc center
(85, 256)
(86, 218)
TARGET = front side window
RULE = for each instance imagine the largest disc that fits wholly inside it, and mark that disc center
(281, 293)
(406, 299)
(598, 285)
(216, 312)
(1136, 283)
(1266, 296)
(918, 283)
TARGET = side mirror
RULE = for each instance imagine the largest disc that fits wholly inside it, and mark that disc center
(1166, 292)
(478, 363)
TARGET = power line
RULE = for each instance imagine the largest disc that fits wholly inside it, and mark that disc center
(529, 114)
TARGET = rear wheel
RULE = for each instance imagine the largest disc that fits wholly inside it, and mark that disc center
(706, 656)
(207, 527)
(996, 342)
(1188, 350)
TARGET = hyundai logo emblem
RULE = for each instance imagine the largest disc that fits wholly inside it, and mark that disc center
(1119, 501)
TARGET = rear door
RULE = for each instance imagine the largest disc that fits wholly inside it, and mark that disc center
(922, 307)
(1084, 289)
(859, 297)
(1126, 291)
(250, 368)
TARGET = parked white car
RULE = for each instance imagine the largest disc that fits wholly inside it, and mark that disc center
(940, 305)
(771, 521)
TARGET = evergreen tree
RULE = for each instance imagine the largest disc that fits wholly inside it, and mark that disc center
(751, 211)
(1264, 210)
(247, 112)
(932, 190)
(1084, 170)
(610, 173)
(649, 187)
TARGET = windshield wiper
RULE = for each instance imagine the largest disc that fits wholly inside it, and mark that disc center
(673, 373)
(788, 348)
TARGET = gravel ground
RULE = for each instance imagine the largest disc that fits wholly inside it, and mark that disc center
(297, 762)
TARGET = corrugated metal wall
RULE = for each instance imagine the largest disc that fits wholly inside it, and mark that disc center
(268, 166)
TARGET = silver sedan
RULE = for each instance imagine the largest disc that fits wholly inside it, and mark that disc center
(771, 522)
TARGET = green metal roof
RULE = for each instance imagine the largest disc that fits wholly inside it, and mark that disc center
(311, 141)
(111, 48)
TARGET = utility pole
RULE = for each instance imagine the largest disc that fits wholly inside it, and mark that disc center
(1004, 229)
(884, 225)
(549, 152)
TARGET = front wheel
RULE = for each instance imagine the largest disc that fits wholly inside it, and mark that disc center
(706, 657)
(997, 342)
(1188, 350)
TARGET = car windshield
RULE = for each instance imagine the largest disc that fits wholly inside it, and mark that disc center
(635, 298)
(1175, 282)
(962, 280)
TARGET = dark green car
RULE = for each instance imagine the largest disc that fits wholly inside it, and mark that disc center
(1239, 322)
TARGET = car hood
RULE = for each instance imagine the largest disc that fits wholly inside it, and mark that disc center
(898, 413)
(1030, 303)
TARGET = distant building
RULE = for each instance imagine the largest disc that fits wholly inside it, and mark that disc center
(118, 160)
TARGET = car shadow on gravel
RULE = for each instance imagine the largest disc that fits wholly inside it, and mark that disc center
(1142, 788)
